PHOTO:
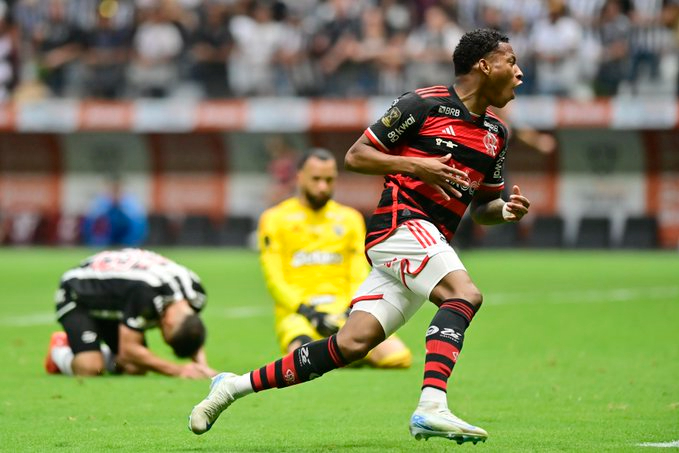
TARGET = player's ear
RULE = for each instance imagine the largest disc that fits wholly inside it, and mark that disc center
(484, 66)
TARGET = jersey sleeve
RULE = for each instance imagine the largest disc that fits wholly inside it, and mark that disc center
(399, 124)
(271, 259)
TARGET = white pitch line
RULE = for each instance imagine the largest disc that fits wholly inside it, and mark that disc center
(490, 298)
(581, 297)
(672, 444)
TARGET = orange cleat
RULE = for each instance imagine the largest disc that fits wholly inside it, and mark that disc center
(58, 339)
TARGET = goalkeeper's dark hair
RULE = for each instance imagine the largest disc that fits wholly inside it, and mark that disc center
(188, 337)
(318, 153)
(475, 45)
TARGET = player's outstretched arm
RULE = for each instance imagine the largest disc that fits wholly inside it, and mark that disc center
(134, 355)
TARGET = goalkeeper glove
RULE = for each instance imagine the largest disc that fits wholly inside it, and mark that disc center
(325, 324)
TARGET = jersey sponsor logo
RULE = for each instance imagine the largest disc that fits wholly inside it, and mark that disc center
(289, 377)
(88, 336)
(497, 174)
(400, 129)
(302, 258)
(391, 117)
(304, 356)
(136, 323)
(449, 131)
(447, 143)
(491, 126)
(473, 185)
(491, 143)
(451, 333)
(450, 111)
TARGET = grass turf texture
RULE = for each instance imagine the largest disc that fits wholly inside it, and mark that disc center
(572, 352)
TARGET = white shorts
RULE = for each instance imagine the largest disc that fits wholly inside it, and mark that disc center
(406, 267)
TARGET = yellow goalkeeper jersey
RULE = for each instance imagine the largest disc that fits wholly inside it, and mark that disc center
(312, 257)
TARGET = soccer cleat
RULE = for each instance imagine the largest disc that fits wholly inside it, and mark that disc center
(58, 339)
(433, 420)
(205, 413)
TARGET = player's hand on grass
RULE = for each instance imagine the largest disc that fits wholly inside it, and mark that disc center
(194, 371)
(325, 324)
(441, 176)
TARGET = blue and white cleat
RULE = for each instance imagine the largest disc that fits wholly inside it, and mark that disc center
(432, 420)
(205, 413)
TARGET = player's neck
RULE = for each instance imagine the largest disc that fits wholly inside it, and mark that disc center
(468, 91)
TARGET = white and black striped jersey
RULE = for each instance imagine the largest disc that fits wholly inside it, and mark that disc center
(133, 286)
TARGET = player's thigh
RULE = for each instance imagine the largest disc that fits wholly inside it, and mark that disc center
(84, 335)
(385, 298)
(294, 326)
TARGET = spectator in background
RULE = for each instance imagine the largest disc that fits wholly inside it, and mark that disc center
(257, 42)
(209, 50)
(8, 54)
(115, 219)
(614, 31)
(556, 40)
(333, 44)
(156, 47)
(428, 48)
(649, 38)
(106, 55)
(58, 45)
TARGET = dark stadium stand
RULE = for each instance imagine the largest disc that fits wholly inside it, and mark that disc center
(593, 233)
(547, 231)
(640, 233)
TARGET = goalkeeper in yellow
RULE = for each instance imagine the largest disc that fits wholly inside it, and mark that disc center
(312, 259)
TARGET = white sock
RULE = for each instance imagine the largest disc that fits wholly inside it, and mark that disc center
(243, 385)
(109, 358)
(432, 395)
(63, 358)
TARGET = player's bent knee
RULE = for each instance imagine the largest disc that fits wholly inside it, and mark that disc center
(88, 364)
(353, 349)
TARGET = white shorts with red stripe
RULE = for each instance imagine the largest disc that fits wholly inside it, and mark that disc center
(406, 267)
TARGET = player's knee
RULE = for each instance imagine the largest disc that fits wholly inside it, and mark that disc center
(354, 349)
(474, 297)
(89, 366)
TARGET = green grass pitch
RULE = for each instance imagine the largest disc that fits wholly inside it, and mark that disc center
(572, 351)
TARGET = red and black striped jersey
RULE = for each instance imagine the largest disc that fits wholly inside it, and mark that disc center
(433, 122)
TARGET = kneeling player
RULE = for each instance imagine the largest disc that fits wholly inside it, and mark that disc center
(108, 302)
(312, 259)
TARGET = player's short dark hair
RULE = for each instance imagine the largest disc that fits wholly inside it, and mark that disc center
(473, 46)
(188, 337)
(318, 153)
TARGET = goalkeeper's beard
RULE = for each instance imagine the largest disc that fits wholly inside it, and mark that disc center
(316, 202)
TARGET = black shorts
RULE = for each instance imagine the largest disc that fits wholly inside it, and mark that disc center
(85, 333)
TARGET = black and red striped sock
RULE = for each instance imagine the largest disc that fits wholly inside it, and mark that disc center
(303, 364)
(444, 341)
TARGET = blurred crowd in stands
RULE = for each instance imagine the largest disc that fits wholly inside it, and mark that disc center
(123, 49)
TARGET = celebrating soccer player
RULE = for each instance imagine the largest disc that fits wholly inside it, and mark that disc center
(441, 151)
